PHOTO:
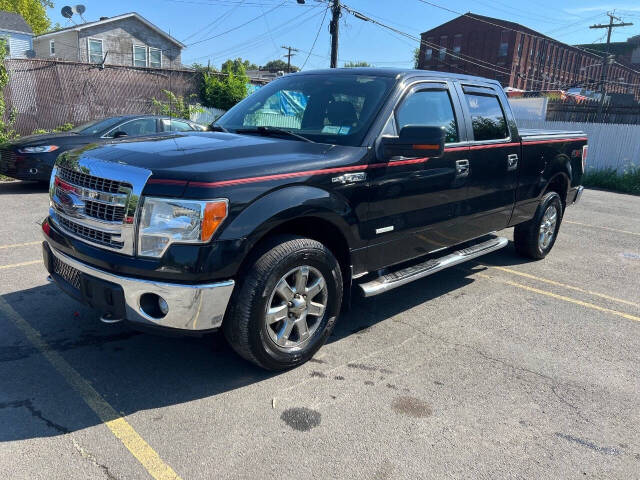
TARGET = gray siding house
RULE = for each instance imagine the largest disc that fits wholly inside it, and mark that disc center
(129, 40)
(16, 33)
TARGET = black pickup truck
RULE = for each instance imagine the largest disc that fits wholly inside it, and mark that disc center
(318, 184)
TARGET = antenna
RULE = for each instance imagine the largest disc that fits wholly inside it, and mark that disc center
(67, 12)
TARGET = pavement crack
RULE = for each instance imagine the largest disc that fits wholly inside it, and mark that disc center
(92, 459)
(28, 405)
(553, 383)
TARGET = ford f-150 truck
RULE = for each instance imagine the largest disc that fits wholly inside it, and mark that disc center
(319, 184)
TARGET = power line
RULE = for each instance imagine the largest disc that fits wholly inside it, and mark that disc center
(324, 17)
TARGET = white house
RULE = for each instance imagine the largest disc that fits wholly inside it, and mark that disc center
(17, 33)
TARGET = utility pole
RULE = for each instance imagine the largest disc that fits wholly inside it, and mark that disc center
(606, 60)
(334, 29)
(289, 55)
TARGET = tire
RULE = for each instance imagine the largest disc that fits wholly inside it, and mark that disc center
(535, 238)
(265, 324)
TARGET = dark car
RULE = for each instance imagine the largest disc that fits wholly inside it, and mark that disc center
(317, 184)
(32, 157)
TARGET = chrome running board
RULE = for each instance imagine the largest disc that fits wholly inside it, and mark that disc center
(392, 280)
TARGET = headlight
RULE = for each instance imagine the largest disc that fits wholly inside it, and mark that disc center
(40, 149)
(165, 221)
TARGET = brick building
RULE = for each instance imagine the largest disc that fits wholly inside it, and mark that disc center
(518, 57)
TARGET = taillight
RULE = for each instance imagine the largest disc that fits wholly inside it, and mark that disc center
(585, 151)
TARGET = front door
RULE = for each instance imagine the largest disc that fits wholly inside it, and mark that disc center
(415, 201)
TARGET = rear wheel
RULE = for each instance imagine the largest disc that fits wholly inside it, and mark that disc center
(535, 238)
(287, 304)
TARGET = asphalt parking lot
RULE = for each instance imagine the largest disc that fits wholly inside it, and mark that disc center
(502, 368)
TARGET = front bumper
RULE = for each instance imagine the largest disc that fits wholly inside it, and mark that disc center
(191, 308)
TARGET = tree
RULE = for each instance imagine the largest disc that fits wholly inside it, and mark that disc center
(416, 57)
(356, 64)
(6, 126)
(278, 66)
(33, 11)
(223, 90)
(174, 106)
(234, 65)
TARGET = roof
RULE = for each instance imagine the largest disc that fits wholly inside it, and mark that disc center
(14, 22)
(117, 18)
(400, 73)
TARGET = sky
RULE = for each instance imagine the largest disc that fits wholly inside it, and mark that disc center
(215, 30)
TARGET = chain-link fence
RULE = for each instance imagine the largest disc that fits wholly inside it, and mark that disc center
(48, 93)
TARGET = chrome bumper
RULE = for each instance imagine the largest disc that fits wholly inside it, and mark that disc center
(191, 307)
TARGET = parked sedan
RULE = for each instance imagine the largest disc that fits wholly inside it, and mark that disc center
(32, 157)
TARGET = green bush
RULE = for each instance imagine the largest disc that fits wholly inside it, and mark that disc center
(175, 106)
(7, 132)
(65, 127)
(610, 179)
(224, 90)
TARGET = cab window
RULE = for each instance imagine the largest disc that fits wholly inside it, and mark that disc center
(431, 108)
(487, 117)
(176, 126)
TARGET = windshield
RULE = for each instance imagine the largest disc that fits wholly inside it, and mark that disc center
(335, 109)
(95, 126)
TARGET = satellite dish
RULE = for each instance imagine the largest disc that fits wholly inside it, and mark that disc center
(80, 9)
(67, 12)
(30, 53)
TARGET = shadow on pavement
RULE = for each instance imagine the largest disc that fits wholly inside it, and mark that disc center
(136, 371)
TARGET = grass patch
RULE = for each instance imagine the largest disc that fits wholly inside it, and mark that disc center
(4, 178)
(610, 179)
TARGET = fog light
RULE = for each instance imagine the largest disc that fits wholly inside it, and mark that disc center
(164, 307)
(154, 306)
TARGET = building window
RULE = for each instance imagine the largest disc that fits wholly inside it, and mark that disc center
(95, 50)
(52, 47)
(457, 43)
(504, 43)
(155, 57)
(443, 48)
(139, 56)
(428, 53)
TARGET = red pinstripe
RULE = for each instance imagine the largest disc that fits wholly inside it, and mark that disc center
(325, 171)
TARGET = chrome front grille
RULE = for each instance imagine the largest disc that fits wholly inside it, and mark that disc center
(89, 181)
(104, 211)
(96, 201)
(91, 234)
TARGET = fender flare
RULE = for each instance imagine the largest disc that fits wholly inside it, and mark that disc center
(286, 204)
(560, 166)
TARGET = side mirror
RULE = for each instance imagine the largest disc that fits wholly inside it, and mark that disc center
(415, 141)
(120, 134)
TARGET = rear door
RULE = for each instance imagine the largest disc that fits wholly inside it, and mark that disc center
(493, 160)
(415, 202)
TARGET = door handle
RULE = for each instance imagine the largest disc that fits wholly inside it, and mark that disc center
(512, 162)
(462, 168)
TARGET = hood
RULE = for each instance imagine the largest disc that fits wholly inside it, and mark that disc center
(213, 156)
(62, 138)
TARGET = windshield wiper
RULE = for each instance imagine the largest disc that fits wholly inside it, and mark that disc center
(217, 128)
(273, 131)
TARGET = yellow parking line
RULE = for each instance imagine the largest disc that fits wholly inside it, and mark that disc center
(602, 228)
(22, 264)
(564, 285)
(27, 244)
(107, 414)
(563, 298)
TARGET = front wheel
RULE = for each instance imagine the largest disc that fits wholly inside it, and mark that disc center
(287, 304)
(535, 238)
